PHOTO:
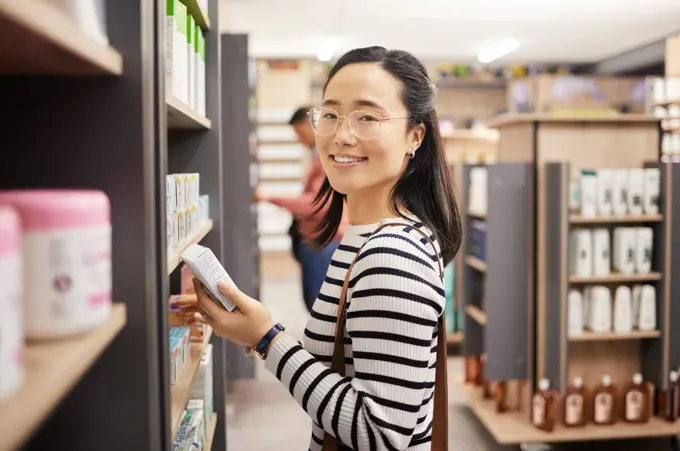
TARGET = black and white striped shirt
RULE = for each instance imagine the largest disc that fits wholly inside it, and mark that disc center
(395, 297)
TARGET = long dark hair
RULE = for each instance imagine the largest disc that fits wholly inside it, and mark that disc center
(425, 188)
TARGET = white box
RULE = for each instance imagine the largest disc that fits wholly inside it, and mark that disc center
(201, 74)
(604, 192)
(644, 243)
(189, 219)
(191, 62)
(170, 200)
(180, 191)
(601, 252)
(588, 194)
(620, 192)
(636, 183)
(204, 207)
(175, 49)
(179, 228)
(205, 266)
(650, 195)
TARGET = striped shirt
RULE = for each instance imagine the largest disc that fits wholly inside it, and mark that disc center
(395, 297)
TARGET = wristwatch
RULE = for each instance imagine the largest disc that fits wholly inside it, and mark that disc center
(261, 348)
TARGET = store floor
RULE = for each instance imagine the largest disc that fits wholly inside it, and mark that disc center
(264, 417)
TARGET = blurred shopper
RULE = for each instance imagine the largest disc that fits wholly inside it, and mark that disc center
(306, 225)
(376, 382)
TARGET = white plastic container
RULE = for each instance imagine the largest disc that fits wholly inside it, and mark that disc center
(66, 247)
(11, 316)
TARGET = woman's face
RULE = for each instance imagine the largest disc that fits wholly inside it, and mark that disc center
(377, 158)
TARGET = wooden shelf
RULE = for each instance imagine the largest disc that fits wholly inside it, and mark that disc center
(577, 219)
(52, 369)
(476, 215)
(615, 336)
(469, 83)
(454, 338)
(174, 253)
(509, 119)
(477, 314)
(201, 17)
(210, 437)
(672, 129)
(617, 278)
(513, 428)
(179, 393)
(471, 135)
(39, 39)
(475, 263)
(181, 117)
(668, 103)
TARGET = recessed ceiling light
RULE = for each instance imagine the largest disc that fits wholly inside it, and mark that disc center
(498, 50)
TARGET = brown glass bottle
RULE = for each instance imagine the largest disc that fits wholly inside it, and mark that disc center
(501, 397)
(604, 403)
(543, 407)
(636, 401)
(671, 410)
(575, 402)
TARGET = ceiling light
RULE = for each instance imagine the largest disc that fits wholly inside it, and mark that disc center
(498, 50)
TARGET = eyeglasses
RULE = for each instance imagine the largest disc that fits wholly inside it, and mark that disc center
(364, 124)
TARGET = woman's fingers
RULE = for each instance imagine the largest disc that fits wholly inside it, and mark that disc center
(235, 295)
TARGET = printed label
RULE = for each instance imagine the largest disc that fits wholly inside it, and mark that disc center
(603, 407)
(634, 405)
(538, 410)
(574, 410)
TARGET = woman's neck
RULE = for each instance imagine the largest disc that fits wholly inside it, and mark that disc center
(369, 207)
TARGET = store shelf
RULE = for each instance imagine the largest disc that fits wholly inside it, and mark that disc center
(39, 39)
(53, 368)
(615, 336)
(668, 103)
(513, 428)
(201, 17)
(477, 314)
(616, 278)
(207, 446)
(509, 119)
(179, 393)
(174, 253)
(182, 117)
(476, 215)
(476, 263)
(672, 129)
(454, 338)
(577, 219)
(469, 83)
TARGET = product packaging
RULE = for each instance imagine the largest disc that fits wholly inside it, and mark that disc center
(650, 200)
(204, 208)
(202, 385)
(176, 50)
(588, 194)
(66, 243)
(90, 15)
(205, 266)
(11, 318)
(201, 75)
(191, 62)
(191, 432)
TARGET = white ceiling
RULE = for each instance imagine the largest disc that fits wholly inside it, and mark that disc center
(548, 30)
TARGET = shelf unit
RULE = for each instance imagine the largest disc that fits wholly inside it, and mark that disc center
(106, 122)
(556, 148)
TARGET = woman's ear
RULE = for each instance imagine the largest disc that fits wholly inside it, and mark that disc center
(415, 137)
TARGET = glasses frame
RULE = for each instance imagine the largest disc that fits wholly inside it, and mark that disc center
(337, 123)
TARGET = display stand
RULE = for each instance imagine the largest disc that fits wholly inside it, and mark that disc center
(108, 123)
(557, 148)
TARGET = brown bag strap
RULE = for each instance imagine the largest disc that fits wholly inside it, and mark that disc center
(440, 420)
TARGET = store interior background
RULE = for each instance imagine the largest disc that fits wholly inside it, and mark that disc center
(534, 90)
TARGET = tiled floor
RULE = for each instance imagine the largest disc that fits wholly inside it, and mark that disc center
(266, 418)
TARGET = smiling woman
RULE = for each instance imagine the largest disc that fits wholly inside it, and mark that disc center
(371, 370)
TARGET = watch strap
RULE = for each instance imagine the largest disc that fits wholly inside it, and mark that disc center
(263, 345)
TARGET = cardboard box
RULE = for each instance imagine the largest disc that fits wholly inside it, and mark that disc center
(175, 50)
(191, 62)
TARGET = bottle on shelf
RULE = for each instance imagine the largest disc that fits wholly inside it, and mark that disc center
(604, 402)
(575, 401)
(501, 397)
(543, 407)
(473, 368)
(636, 401)
(486, 385)
(671, 409)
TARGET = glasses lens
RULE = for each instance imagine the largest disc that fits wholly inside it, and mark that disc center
(324, 120)
(366, 124)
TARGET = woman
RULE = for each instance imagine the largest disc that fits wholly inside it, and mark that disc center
(378, 138)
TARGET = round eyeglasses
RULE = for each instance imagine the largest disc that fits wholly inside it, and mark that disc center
(363, 123)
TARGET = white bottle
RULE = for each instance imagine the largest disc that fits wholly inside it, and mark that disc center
(647, 319)
(637, 294)
(635, 191)
(587, 292)
(624, 250)
(575, 313)
(650, 200)
(644, 239)
(574, 195)
(623, 310)
(604, 192)
(583, 252)
(600, 309)
(601, 253)
(588, 194)
(620, 192)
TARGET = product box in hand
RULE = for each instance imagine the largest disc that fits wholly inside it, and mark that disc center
(190, 435)
(202, 385)
(175, 49)
(206, 268)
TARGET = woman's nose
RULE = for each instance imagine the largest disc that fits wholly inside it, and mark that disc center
(343, 134)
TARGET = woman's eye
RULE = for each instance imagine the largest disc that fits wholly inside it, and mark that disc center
(368, 118)
(329, 116)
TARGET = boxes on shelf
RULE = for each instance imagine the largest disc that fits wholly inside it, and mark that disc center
(202, 385)
(180, 351)
(190, 435)
(182, 205)
(89, 15)
(191, 62)
(176, 64)
(203, 208)
(200, 71)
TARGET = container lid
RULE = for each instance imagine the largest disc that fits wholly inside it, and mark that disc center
(578, 382)
(606, 380)
(65, 208)
(637, 379)
(10, 229)
(544, 384)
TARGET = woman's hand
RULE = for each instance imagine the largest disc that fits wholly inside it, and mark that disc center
(244, 326)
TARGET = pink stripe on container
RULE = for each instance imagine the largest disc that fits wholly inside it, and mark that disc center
(95, 300)
(10, 230)
(58, 209)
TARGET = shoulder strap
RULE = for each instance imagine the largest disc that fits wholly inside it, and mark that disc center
(441, 411)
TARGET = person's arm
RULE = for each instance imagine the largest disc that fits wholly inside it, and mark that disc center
(302, 206)
(396, 299)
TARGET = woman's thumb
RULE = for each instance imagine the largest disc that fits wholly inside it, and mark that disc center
(235, 295)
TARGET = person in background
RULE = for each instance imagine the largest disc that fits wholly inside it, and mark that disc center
(306, 215)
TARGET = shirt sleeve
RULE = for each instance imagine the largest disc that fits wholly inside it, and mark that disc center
(303, 205)
(396, 299)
